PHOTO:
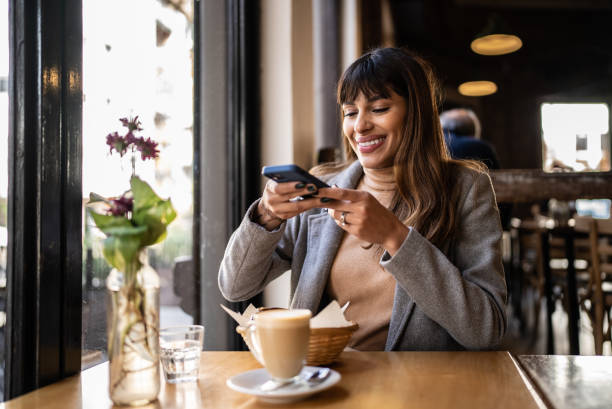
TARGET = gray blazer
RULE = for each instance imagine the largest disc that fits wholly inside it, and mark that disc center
(445, 299)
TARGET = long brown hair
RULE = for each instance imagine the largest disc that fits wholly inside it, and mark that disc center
(424, 172)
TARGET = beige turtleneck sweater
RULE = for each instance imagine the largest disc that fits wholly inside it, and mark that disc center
(357, 276)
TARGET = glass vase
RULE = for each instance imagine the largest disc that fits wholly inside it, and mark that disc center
(133, 335)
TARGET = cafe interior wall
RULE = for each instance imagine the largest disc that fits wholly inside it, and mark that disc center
(288, 96)
(286, 109)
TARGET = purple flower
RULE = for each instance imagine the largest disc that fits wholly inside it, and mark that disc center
(130, 138)
(148, 148)
(121, 206)
(132, 124)
(116, 142)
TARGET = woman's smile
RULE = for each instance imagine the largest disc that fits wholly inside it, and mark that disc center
(368, 144)
(374, 127)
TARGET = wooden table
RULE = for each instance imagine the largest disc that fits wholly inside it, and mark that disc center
(572, 382)
(369, 380)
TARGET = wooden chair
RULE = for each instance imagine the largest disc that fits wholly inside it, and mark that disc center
(597, 301)
(582, 257)
(529, 263)
(531, 236)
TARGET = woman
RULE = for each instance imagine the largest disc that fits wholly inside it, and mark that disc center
(410, 237)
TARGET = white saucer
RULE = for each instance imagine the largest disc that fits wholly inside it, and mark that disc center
(249, 382)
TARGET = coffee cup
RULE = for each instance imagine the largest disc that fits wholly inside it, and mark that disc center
(279, 340)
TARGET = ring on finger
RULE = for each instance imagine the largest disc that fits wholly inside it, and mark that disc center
(343, 219)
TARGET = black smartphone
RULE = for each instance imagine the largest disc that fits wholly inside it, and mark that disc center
(292, 173)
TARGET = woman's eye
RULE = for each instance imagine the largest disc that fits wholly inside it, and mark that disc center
(379, 110)
(350, 113)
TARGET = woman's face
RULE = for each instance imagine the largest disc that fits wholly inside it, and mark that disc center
(374, 128)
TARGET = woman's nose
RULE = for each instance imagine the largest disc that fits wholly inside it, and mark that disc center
(362, 124)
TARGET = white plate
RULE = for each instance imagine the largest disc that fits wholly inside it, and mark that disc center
(250, 382)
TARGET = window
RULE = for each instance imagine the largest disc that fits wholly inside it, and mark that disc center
(576, 137)
(138, 60)
(4, 68)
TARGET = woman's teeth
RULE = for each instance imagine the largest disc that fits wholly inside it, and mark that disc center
(372, 142)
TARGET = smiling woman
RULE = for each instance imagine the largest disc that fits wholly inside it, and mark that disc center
(373, 127)
(409, 236)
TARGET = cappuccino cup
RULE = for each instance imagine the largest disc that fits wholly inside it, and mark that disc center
(279, 340)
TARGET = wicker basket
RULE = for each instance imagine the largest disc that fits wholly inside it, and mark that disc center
(325, 344)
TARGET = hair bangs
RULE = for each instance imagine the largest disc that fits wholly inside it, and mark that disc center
(363, 76)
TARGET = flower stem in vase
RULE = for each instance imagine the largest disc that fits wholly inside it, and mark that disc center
(133, 337)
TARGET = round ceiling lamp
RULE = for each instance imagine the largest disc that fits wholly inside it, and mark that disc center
(477, 88)
(496, 38)
(496, 44)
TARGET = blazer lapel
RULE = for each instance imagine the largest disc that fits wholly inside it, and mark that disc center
(402, 308)
(324, 237)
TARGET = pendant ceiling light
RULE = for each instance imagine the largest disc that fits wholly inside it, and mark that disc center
(495, 39)
(477, 88)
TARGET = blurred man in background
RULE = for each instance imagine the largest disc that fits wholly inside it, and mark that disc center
(462, 133)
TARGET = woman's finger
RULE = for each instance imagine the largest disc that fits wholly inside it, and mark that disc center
(338, 205)
(287, 209)
(304, 190)
(290, 188)
(343, 194)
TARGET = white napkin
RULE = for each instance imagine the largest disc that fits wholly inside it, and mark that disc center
(331, 316)
(243, 318)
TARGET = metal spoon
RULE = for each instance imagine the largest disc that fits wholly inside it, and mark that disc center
(318, 376)
(310, 379)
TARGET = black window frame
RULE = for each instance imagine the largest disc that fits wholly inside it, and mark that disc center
(43, 332)
(244, 125)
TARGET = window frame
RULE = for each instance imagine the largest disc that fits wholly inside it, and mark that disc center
(43, 331)
(564, 98)
(44, 265)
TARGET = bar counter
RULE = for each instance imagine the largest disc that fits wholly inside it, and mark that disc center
(386, 380)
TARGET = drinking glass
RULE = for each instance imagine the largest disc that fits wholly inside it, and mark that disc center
(180, 349)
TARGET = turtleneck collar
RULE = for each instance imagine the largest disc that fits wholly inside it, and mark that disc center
(379, 179)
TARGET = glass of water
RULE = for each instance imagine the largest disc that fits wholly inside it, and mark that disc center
(179, 352)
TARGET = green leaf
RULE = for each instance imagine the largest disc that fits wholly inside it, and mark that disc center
(156, 218)
(96, 198)
(105, 222)
(143, 195)
(151, 211)
(122, 252)
(126, 238)
(125, 230)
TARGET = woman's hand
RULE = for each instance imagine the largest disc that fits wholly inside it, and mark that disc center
(276, 203)
(360, 214)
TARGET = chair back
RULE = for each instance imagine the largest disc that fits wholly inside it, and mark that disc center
(600, 233)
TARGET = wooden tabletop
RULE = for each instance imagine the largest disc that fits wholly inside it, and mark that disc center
(576, 382)
(386, 380)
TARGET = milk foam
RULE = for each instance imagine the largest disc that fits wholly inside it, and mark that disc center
(283, 318)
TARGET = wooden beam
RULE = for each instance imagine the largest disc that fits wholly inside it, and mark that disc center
(530, 185)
